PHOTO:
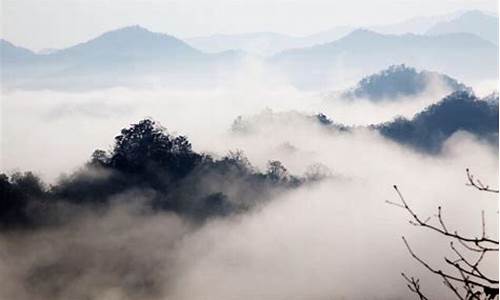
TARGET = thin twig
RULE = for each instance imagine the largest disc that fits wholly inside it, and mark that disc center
(439, 272)
(414, 286)
(455, 234)
(478, 184)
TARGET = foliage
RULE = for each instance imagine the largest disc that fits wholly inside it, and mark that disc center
(146, 158)
(428, 130)
(398, 81)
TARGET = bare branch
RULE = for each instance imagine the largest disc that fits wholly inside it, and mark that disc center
(440, 272)
(452, 287)
(478, 184)
(473, 266)
(441, 220)
(414, 286)
(418, 222)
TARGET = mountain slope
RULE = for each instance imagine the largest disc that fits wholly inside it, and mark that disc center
(11, 54)
(401, 81)
(429, 129)
(132, 42)
(270, 43)
(475, 22)
(460, 55)
(260, 43)
(118, 57)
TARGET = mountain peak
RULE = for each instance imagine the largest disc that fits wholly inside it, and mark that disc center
(400, 80)
(130, 29)
(130, 41)
(134, 31)
(474, 21)
(362, 32)
(12, 53)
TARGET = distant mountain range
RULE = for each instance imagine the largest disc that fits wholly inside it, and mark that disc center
(127, 43)
(264, 43)
(401, 81)
(270, 43)
(122, 56)
(461, 55)
(113, 57)
(475, 22)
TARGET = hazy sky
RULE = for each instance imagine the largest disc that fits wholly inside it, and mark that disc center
(39, 24)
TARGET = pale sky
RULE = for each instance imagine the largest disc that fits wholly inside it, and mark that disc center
(39, 24)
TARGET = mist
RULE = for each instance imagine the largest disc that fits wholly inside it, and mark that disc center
(335, 238)
(90, 119)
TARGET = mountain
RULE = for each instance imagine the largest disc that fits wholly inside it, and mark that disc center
(264, 43)
(401, 81)
(461, 55)
(260, 43)
(429, 129)
(417, 25)
(113, 58)
(11, 54)
(127, 43)
(134, 54)
(475, 22)
(492, 98)
(46, 51)
(270, 43)
(322, 37)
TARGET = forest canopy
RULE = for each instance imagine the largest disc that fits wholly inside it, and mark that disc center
(146, 159)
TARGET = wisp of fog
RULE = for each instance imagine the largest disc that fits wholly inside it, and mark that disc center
(333, 239)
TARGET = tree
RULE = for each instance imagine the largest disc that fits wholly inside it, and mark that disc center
(467, 281)
(20, 195)
(147, 145)
(276, 171)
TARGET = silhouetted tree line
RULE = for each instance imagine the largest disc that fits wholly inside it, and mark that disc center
(242, 125)
(429, 129)
(147, 159)
(397, 81)
(425, 132)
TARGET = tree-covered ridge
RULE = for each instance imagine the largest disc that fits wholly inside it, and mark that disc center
(146, 161)
(400, 81)
(429, 129)
(425, 132)
(259, 123)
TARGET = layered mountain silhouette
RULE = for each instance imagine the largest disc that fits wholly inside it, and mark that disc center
(475, 22)
(127, 44)
(425, 132)
(461, 55)
(270, 43)
(260, 43)
(265, 43)
(127, 55)
(401, 81)
(115, 56)
(460, 111)
(12, 54)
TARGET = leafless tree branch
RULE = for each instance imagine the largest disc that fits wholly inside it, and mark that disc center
(414, 286)
(478, 184)
(466, 279)
(479, 242)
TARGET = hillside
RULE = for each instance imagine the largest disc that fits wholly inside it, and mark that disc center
(401, 81)
(461, 55)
